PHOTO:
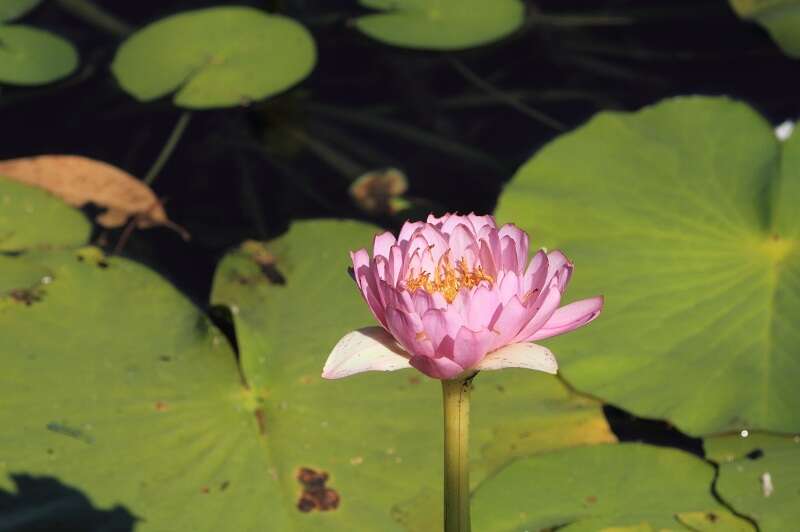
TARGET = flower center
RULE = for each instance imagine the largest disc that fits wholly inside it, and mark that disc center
(447, 279)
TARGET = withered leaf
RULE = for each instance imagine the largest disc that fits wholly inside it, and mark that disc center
(80, 180)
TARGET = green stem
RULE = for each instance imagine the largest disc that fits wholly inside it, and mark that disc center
(456, 454)
(169, 147)
(97, 16)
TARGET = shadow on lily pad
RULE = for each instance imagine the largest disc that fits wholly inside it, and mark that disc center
(45, 504)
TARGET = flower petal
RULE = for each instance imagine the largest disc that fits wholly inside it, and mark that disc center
(367, 349)
(438, 368)
(382, 244)
(570, 317)
(522, 355)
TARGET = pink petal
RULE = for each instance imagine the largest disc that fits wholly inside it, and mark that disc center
(546, 306)
(570, 317)
(520, 239)
(559, 264)
(368, 349)
(510, 320)
(469, 347)
(509, 257)
(406, 232)
(508, 286)
(382, 244)
(407, 329)
(438, 368)
(479, 222)
(461, 239)
(521, 355)
(482, 307)
(439, 324)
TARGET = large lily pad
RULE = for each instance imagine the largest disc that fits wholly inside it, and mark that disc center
(216, 57)
(781, 18)
(116, 385)
(441, 24)
(30, 56)
(31, 217)
(605, 487)
(379, 435)
(684, 215)
(760, 477)
(13, 9)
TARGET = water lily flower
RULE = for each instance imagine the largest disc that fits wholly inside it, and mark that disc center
(455, 295)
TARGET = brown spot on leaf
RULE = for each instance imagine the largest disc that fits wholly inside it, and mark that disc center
(161, 406)
(259, 253)
(712, 517)
(591, 499)
(261, 420)
(204, 489)
(315, 495)
(413, 380)
(26, 296)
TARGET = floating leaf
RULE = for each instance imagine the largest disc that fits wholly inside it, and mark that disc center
(781, 18)
(14, 9)
(684, 215)
(30, 56)
(365, 439)
(441, 24)
(80, 180)
(216, 57)
(31, 218)
(760, 477)
(629, 487)
(376, 190)
(115, 384)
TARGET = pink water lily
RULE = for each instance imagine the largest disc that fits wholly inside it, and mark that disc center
(457, 294)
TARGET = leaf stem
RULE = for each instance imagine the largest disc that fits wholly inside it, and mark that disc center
(97, 16)
(456, 454)
(169, 147)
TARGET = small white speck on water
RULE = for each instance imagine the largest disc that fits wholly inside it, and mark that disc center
(235, 309)
(745, 433)
(47, 279)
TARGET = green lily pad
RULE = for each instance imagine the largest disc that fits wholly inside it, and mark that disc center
(684, 215)
(14, 9)
(216, 57)
(30, 56)
(749, 467)
(116, 385)
(441, 24)
(379, 435)
(33, 218)
(604, 487)
(781, 18)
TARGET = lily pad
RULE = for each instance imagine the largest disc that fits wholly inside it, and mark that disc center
(14, 9)
(760, 477)
(781, 18)
(379, 435)
(30, 56)
(31, 218)
(116, 385)
(684, 215)
(441, 24)
(603, 487)
(216, 57)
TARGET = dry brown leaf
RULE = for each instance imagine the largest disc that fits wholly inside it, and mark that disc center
(80, 180)
(375, 190)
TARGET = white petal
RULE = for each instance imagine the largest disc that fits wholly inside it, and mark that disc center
(522, 355)
(367, 349)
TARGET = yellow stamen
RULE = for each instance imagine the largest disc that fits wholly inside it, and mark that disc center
(448, 280)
